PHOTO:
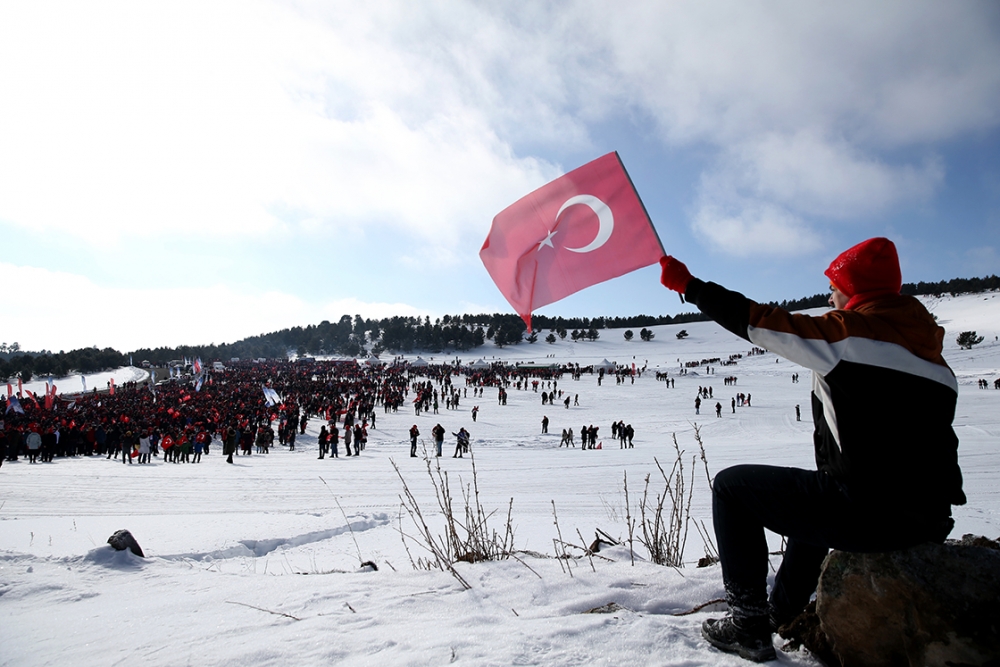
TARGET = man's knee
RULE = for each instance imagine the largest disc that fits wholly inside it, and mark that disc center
(733, 477)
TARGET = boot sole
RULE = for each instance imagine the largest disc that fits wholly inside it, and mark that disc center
(765, 654)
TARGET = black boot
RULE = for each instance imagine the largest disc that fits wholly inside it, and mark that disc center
(749, 638)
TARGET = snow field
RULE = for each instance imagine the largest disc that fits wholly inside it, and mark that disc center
(237, 553)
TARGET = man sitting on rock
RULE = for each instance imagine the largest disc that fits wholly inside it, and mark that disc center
(887, 460)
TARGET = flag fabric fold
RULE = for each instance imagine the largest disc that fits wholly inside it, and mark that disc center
(583, 228)
(271, 396)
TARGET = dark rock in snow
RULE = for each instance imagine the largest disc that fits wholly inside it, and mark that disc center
(805, 630)
(598, 544)
(122, 540)
(609, 608)
(929, 605)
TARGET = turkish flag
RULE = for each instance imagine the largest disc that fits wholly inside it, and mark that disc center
(581, 229)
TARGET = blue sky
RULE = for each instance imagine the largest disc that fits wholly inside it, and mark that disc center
(191, 173)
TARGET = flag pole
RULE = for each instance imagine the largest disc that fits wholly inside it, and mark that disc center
(644, 210)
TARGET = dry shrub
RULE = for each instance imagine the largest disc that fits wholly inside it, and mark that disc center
(467, 535)
(665, 516)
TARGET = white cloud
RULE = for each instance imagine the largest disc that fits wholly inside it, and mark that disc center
(257, 117)
(892, 73)
(827, 178)
(754, 229)
(790, 183)
(51, 314)
(806, 105)
(142, 120)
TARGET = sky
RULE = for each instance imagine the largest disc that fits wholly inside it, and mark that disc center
(220, 170)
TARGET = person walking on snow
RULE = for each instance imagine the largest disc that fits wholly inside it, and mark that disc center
(461, 442)
(438, 433)
(414, 434)
(881, 484)
(324, 441)
(334, 440)
(228, 445)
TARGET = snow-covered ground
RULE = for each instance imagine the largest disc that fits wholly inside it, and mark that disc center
(74, 384)
(258, 563)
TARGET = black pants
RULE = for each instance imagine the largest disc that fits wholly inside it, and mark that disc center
(816, 514)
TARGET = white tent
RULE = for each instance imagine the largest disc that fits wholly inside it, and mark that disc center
(479, 364)
(419, 361)
(606, 365)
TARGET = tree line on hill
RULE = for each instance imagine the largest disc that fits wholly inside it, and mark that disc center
(357, 336)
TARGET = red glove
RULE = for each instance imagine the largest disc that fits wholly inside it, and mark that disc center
(675, 275)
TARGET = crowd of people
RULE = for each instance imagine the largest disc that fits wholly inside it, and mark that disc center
(182, 419)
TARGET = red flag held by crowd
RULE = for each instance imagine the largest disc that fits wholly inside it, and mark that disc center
(581, 229)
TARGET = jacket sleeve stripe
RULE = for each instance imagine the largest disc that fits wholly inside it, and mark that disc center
(822, 356)
(813, 353)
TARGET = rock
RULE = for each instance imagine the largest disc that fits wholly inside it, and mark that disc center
(708, 561)
(609, 608)
(598, 544)
(805, 630)
(122, 540)
(934, 604)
